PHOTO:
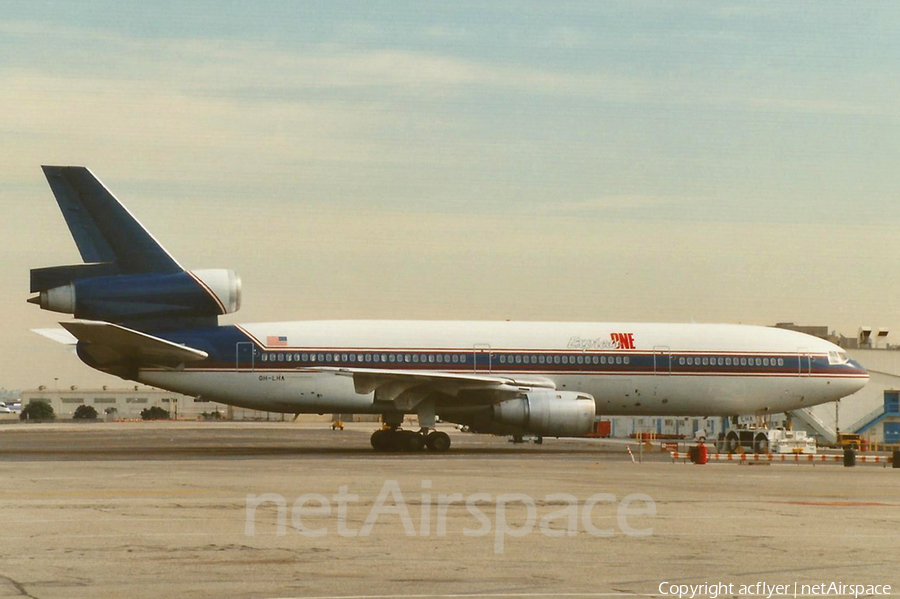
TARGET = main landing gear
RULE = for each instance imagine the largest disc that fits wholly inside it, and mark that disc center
(395, 439)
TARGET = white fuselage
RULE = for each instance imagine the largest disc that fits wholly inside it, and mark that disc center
(629, 368)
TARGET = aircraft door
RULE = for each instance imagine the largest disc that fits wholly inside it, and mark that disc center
(805, 362)
(662, 360)
(662, 368)
(481, 354)
(244, 356)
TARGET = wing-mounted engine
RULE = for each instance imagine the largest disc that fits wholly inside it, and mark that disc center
(546, 412)
(127, 298)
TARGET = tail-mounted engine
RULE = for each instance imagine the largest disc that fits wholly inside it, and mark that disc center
(127, 277)
(141, 297)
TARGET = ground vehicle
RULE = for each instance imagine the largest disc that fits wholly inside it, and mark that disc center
(767, 440)
(851, 440)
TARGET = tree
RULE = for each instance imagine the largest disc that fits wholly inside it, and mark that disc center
(85, 412)
(154, 413)
(37, 410)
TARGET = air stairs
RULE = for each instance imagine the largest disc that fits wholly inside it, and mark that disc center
(824, 430)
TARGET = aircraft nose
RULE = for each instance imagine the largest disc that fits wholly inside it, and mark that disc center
(861, 372)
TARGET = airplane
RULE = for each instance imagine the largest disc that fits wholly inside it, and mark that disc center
(141, 316)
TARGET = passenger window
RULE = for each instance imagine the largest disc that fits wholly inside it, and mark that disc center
(626, 359)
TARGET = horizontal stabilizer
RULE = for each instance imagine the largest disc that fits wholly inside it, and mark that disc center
(131, 344)
(59, 335)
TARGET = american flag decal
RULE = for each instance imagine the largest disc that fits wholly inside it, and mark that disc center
(276, 341)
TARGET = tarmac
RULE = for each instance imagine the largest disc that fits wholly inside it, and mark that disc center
(168, 509)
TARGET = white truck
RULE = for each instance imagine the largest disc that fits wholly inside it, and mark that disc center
(767, 440)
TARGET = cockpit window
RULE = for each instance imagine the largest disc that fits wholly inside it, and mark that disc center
(838, 357)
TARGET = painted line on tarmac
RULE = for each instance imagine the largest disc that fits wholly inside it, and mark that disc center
(466, 595)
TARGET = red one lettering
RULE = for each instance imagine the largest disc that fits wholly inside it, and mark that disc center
(623, 340)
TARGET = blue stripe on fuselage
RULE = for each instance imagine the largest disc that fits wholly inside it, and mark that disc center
(222, 345)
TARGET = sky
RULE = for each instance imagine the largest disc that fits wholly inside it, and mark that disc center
(590, 161)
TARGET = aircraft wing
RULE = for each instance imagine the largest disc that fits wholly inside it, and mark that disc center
(112, 342)
(405, 388)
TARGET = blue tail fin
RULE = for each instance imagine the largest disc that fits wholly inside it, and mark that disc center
(103, 229)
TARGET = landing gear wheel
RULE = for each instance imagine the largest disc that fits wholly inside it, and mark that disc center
(382, 440)
(437, 441)
(538, 440)
(411, 441)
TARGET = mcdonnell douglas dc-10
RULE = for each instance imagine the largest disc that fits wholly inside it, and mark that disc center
(140, 316)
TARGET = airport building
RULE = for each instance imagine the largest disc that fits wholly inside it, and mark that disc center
(127, 404)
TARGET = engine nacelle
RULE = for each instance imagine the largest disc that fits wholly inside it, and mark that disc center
(126, 297)
(550, 413)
